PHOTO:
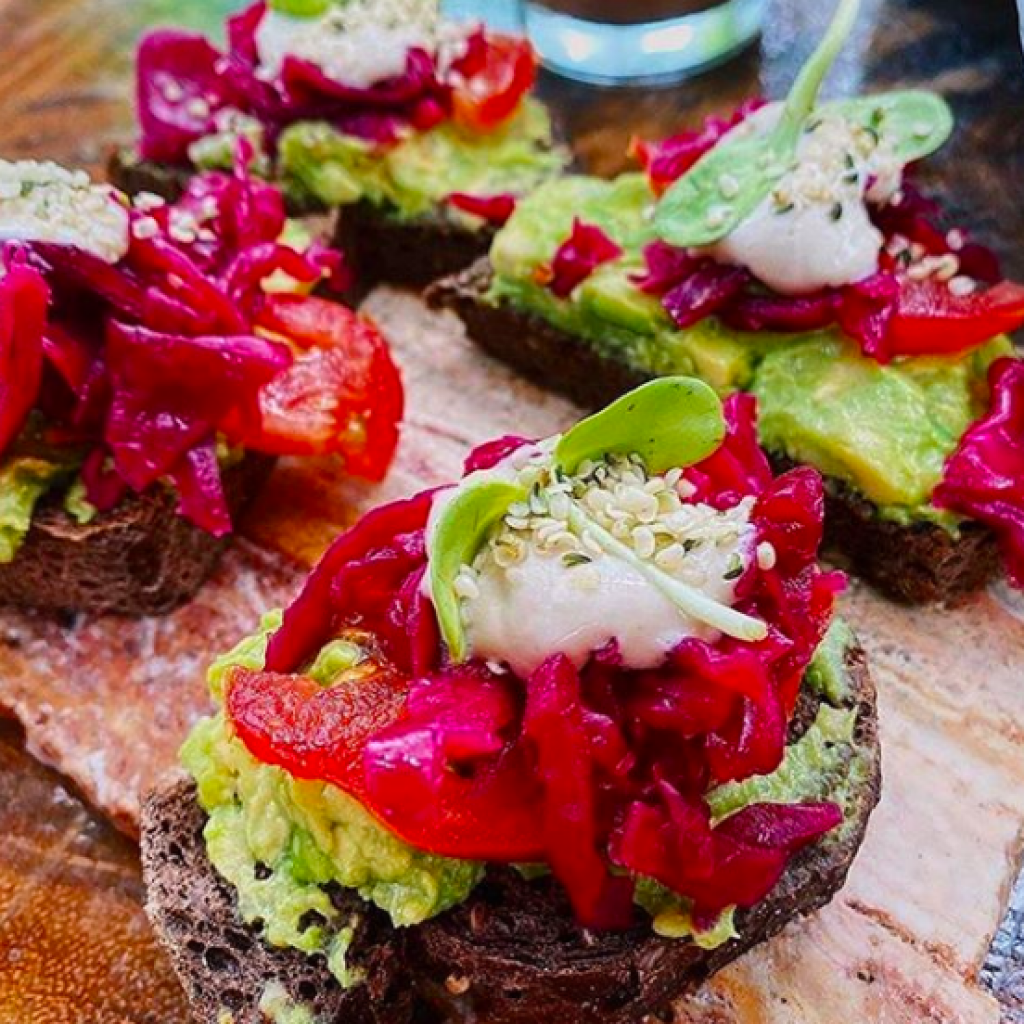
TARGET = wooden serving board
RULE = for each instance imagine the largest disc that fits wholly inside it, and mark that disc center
(108, 702)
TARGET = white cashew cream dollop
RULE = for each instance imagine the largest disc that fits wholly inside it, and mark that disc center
(814, 230)
(542, 586)
(359, 43)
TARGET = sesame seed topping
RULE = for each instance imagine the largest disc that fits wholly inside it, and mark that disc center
(43, 202)
(961, 286)
(766, 555)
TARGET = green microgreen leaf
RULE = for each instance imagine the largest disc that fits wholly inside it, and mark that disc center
(913, 122)
(670, 422)
(461, 531)
(697, 210)
(301, 8)
(687, 599)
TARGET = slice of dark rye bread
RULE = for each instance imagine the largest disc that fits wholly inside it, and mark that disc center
(913, 563)
(378, 247)
(141, 558)
(511, 954)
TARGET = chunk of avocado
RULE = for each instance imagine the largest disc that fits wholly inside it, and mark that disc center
(887, 430)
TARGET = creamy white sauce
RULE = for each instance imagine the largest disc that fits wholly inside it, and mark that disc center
(527, 612)
(359, 43)
(43, 202)
(561, 595)
(815, 231)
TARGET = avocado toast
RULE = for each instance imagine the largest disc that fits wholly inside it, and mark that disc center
(873, 340)
(154, 360)
(562, 739)
(420, 131)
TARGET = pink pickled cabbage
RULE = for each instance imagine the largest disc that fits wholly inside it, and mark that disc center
(181, 86)
(104, 486)
(605, 768)
(668, 160)
(705, 291)
(889, 313)
(186, 86)
(984, 478)
(866, 310)
(586, 248)
(738, 862)
(24, 297)
(149, 359)
(488, 455)
(495, 209)
(666, 266)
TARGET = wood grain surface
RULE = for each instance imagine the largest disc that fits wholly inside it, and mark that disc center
(108, 703)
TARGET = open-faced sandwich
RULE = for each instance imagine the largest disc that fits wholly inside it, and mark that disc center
(421, 129)
(786, 252)
(554, 743)
(154, 358)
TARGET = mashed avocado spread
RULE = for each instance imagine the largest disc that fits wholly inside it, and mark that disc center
(24, 482)
(318, 164)
(281, 841)
(884, 431)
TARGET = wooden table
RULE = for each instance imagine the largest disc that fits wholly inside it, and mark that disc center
(73, 942)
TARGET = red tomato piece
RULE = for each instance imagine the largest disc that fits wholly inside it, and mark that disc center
(24, 298)
(342, 394)
(932, 320)
(491, 92)
(311, 731)
(322, 734)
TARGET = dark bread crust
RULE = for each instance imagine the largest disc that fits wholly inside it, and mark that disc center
(512, 954)
(141, 558)
(223, 964)
(132, 175)
(913, 564)
(378, 247)
(414, 253)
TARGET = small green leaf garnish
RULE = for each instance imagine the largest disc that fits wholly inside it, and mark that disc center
(692, 211)
(687, 599)
(460, 533)
(913, 122)
(301, 8)
(670, 422)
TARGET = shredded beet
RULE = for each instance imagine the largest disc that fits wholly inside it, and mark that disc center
(586, 248)
(582, 770)
(984, 478)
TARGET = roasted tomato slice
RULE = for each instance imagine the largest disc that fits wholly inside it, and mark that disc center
(494, 83)
(322, 733)
(933, 320)
(342, 395)
(24, 298)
